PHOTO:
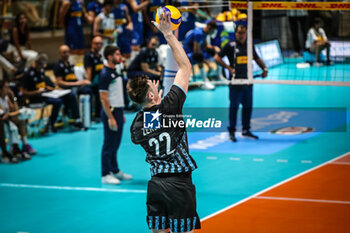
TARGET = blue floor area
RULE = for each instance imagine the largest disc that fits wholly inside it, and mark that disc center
(60, 189)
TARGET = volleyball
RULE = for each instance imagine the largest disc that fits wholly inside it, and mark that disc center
(175, 15)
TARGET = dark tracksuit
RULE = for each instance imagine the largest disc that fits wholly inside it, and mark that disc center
(239, 94)
(112, 83)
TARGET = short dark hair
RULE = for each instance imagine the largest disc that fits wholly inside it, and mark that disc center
(241, 26)
(137, 89)
(316, 21)
(109, 50)
(107, 2)
(212, 24)
(41, 58)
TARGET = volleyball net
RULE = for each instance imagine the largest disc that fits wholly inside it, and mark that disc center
(283, 36)
(281, 32)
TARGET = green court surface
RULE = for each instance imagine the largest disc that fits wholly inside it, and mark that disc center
(60, 189)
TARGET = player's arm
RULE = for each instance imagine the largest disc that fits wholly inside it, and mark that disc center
(183, 75)
(88, 17)
(218, 58)
(147, 21)
(130, 25)
(135, 7)
(63, 12)
(145, 68)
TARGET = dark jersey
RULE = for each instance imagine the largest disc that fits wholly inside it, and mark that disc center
(66, 71)
(33, 80)
(148, 56)
(95, 62)
(237, 56)
(166, 147)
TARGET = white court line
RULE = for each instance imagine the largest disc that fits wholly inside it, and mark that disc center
(71, 188)
(306, 161)
(341, 163)
(282, 160)
(212, 158)
(273, 186)
(235, 159)
(258, 160)
(302, 200)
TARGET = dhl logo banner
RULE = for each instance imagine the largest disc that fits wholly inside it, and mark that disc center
(242, 60)
(71, 77)
(119, 21)
(293, 5)
(99, 67)
(40, 85)
(76, 14)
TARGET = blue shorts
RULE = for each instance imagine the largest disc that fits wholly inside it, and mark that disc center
(171, 203)
(74, 38)
(137, 38)
(124, 41)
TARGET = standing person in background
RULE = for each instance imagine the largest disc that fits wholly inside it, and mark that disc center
(317, 41)
(112, 116)
(171, 195)
(104, 24)
(149, 14)
(124, 26)
(188, 16)
(71, 17)
(135, 9)
(94, 9)
(236, 51)
(93, 64)
(20, 38)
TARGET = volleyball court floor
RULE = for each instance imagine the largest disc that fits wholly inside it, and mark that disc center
(280, 183)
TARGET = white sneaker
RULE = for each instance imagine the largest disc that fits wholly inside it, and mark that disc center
(110, 179)
(122, 176)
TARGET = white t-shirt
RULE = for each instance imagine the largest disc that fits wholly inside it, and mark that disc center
(313, 36)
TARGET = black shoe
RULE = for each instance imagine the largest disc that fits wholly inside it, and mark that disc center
(247, 133)
(329, 63)
(233, 137)
(8, 158)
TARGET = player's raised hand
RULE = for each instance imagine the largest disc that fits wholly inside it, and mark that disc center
(164, 24)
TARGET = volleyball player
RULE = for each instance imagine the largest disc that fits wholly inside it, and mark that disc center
(171, 199)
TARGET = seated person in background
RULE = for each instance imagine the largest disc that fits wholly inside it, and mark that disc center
(34, 83)
(11, 124)
(317, 41)
(197, 49)
(93, 64)
(65, 76)
(20, 38)
(146, 62)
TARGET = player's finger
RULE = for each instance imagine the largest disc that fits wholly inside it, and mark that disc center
(154, 23)
(160, 93)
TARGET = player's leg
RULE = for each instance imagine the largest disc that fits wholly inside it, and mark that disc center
(247, 103)
(235, 99)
